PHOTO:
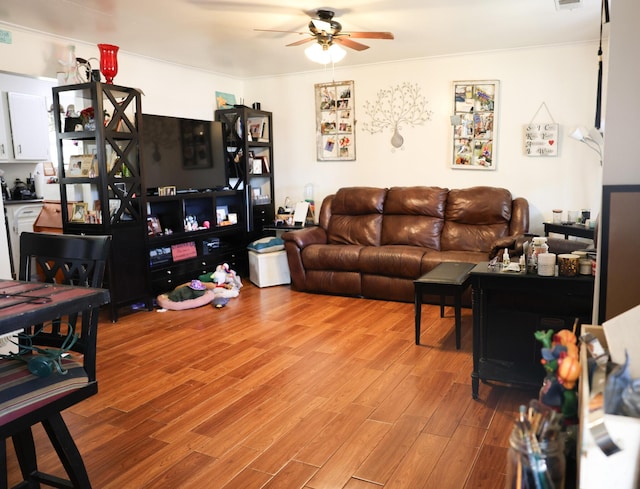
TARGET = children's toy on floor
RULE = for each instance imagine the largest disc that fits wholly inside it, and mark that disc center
(226, 284)
(214, 288)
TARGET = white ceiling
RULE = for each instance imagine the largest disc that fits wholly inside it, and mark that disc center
(219, 36)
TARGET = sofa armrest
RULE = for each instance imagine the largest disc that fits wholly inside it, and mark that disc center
(294, 243)
(306, 236)
(514, 245)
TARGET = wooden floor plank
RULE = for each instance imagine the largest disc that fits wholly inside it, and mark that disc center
(286, 389)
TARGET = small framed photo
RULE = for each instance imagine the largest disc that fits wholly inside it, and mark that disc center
(79, 212)
(222, 212)
(257, 165)
(153, 226)
(233, 218)
(121, 186)
(82, 166)
(166, 191)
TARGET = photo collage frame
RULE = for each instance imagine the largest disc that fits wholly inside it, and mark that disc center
(474, 124)
(335, 121)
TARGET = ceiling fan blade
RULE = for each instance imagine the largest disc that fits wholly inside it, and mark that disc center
(370, 35)
(287, 32)
(350, 44)
(302, 41)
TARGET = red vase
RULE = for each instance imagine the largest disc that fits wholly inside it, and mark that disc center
(108, 61)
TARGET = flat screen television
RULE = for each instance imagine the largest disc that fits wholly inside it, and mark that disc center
(187, 154)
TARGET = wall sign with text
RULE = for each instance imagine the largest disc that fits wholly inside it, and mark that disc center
(541, 139)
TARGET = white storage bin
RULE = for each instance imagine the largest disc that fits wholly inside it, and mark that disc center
(267, 269)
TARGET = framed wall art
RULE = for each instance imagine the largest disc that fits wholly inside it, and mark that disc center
(335, 121)
(474, 123)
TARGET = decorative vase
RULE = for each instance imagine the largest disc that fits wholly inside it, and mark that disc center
(397, 140)
(108, 61)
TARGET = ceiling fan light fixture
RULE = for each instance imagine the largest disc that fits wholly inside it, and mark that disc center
(325, 53)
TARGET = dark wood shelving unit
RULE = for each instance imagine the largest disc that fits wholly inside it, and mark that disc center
(104, 194)
(248, 135)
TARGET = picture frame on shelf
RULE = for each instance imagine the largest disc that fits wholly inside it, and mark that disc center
(121, 186)
(225, 100)
(114, 207)
(82, 166)
(266, 168)
(474, 122)
(256, 126)
(222, 211)
(153, 226)
(257, 165)
(166, 191)
(79, 212)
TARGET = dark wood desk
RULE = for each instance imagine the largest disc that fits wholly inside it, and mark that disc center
(579, 230)
(508, 308)
(24, 304)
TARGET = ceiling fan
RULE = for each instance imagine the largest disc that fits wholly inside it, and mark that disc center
(325, 31)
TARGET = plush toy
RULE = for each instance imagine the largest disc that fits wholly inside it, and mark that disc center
(210, 288)
(223, 277)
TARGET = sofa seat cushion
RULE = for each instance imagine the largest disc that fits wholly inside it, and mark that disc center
(414, 216)
(331, 257)
(475, 218)
(392, 261)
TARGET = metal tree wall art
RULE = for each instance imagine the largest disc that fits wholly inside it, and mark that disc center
(395, 107)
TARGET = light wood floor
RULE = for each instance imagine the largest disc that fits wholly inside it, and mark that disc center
(282, 389)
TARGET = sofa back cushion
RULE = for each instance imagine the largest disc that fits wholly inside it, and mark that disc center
(475, 217)
(414, 216)
(355, 216)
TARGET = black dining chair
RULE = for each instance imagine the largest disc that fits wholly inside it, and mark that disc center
(56, 367)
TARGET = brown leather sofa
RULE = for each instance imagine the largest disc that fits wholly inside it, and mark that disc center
(373, 242)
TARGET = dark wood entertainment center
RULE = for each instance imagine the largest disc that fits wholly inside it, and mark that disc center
(225, 221)
(160, 241)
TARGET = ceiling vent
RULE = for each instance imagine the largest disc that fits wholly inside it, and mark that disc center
(568, 4)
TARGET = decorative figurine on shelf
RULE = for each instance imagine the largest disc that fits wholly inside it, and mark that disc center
(88, 119)
(561, 361)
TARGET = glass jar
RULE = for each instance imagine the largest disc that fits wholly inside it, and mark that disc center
(527, 469)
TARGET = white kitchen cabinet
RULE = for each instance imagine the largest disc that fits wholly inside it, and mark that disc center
(4, 132)
(21, 217)
(29, 123)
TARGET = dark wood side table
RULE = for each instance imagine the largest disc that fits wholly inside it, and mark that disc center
(508, 308)
(279, 229)
(579, 230)
(446, 279)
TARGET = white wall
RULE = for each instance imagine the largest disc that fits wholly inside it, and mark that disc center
(564, 77)
(622, 163)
